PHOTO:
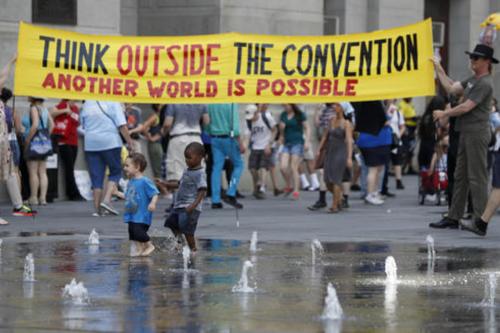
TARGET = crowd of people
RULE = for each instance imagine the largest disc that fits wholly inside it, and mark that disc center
(345, 147)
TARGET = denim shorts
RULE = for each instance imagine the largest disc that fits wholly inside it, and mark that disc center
(180, 220)
(293, 149)
(97, 161)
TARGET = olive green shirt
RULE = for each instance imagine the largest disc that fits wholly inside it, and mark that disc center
(480, 91)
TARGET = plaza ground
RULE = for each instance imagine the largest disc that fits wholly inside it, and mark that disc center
(399, 220)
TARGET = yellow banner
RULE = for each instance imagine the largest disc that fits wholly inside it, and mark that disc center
(232, 67)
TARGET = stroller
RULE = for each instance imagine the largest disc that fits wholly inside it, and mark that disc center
(434, 184)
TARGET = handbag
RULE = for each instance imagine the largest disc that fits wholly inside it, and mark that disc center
(319, 162)
(40, 145)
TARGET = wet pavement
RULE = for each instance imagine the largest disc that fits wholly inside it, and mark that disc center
(156, 294)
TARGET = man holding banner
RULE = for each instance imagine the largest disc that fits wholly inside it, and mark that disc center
(472, 114)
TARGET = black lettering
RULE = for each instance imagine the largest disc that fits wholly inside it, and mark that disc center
(47, 40)
(336, 60)
(98, 63)
(389, 55)
(239, 45)
(411, 51)
(379, 43)
(300, 69)
(73, 54)
(283, 59)
(365, 58)
(348, 59)
(320, 59)
(86, 55)
(253, 59)
(62, 54)
(399, 53)
(264, 60)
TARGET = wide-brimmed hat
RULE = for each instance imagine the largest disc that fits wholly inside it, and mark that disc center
(483, 51)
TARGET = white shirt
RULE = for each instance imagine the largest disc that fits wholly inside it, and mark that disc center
(261, 135)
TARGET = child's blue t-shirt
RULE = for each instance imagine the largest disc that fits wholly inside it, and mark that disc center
(139, 193)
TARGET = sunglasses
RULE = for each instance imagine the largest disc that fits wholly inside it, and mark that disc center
(474, 57)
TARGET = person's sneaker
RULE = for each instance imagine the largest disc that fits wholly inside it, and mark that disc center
(317, 205)
(232, 201)
(444, 223)
(399, 185)
(239, 195)
(355, 188)
(373, 199)
(277, 192)
(295, 195)
(259, 195)
(287, 191)
(217, 205)
(107, 207)
(313, 189)
(476, 226)
(23, 211)
(345, 203)
(387, 194)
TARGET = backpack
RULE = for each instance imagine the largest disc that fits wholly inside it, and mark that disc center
(264, 119)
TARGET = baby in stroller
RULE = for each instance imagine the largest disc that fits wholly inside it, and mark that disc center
(434, 181)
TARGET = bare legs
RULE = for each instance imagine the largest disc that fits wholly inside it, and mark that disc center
(38, 181)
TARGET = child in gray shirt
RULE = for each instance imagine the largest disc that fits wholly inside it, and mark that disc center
(192, 188)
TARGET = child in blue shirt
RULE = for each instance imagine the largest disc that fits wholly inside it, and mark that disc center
(192, 189)
(140, 202)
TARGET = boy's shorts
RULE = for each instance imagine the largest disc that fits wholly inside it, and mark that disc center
(180, 220)
(138, 232)
(259, 160)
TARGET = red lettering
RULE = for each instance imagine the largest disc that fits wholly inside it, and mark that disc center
(154, 91)
(197, 92)
(119, 60)
(336, 91)
(49, 82)
(131, 87)
(278, 87)
(186, 88)
(262, 85)
(211, 88)
(350, 87)
(92, 80)
(325, 86)
(192, 61)
(211, 58)
(104, 85)
(292, 84)
(156, 58)
(172, 89)
(185, 56)
(64, 80)
(117, 87)
(240, 87)
(304, 85)
(171, 56)
(78, 83)
(141, 70)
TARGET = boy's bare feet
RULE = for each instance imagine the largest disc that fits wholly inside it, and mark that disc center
(136, 249)
(148, 249)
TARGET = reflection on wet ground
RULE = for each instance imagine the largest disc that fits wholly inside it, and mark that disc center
(155, 294)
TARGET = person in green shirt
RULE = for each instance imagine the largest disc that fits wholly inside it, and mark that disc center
(294, 139)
